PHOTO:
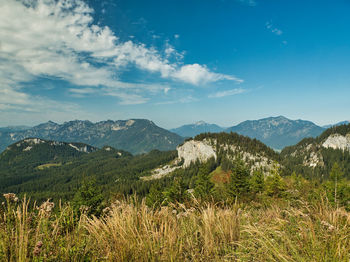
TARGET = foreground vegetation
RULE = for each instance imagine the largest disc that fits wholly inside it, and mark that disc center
(128, 230)
(223, 209)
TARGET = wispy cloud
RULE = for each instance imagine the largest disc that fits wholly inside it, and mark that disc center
(225, 93)
(58, 38)
(126, 97)
(273, 29)
(183, 100)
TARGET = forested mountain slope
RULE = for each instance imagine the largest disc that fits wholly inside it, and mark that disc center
(134, 135)
(316, 156)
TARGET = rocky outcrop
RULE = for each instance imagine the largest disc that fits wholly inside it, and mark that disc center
(313, 159)
(337, 141)
(160, 172)
(192, 150)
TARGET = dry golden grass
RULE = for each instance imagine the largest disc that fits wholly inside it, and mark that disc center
(131, 231)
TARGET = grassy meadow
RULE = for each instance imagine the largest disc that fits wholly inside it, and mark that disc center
(129, 230)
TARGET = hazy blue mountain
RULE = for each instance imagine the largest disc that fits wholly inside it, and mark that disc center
(134, 135)
(14, 128)
(197, 128)
(337, 124)
(277, 132)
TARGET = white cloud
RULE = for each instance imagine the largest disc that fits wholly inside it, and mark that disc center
(58, 39)
(225, 93)
(273, 29)
(197, 74)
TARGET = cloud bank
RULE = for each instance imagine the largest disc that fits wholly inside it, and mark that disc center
(59, 39)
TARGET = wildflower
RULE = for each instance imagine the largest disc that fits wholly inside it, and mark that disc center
(46, 207)
(11, 197)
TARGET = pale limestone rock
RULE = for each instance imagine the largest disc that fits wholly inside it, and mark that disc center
(337, 141)
(160, 172)
(191, 151)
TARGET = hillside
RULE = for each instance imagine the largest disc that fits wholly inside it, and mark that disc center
(277, 132)
(41, 167)
(316, 156)
(221, 149)
(197, 128)
(50, 169)
(134, 135)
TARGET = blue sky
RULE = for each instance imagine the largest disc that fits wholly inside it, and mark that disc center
(174, 62)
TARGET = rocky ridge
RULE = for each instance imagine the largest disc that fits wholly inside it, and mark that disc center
(202, 150)
(337, 141)
(318, 153)
(133, 135)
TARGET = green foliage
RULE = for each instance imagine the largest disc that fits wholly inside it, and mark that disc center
(176, 193)
(203, 184)
(89, 198)
(115, 170)
(239, 180)
(155, 197)
(336, 172)
(275, 185)
(257, 182)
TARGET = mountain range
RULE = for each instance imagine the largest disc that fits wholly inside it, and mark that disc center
(197, 128)
(134, 135)
(276, 132)
(140, 135)
(46, 168)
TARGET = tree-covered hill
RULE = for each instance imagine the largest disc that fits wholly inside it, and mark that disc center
(50, 169)
(314, 157)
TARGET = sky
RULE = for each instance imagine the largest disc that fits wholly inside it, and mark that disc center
(174, 62)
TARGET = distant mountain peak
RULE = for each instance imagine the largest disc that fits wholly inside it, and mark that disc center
(197, 128)
(133, 135)
(277, 132)
(200, 123)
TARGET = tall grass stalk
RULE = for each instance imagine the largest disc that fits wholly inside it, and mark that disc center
(131, 231)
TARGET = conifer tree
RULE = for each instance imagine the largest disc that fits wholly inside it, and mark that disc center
(335, 174)
(89, 196)
(239, 180)
(203, 184)
(257, 182)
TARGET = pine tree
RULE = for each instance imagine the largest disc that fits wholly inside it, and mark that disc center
(257, 182)
(176, 192)
(203, 184)
(89, 196)
(275, 185)
(239, 181)
(335, 174)
(155, 196)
